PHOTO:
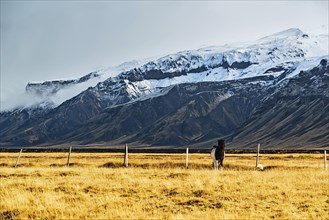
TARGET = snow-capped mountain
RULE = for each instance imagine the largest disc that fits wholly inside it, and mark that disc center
(273, 55)
(204, 89)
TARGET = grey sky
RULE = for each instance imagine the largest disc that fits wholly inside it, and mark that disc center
(44, 40)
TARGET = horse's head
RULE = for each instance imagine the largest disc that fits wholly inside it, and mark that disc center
(221, 144)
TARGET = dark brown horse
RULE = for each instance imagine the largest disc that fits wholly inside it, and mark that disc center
(218, 154)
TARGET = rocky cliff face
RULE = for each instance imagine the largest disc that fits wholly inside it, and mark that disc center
(273, 91)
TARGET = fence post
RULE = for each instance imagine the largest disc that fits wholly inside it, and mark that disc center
(18, 157)
(186, 158)
(126, 156)
(257, 158)
(325, 159)
(69, 156)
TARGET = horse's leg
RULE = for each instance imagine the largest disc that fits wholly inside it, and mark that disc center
(217, 164)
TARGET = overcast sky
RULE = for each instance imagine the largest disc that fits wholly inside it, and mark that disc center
(44, 40)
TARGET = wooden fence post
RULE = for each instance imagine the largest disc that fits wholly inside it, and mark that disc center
(325, 159)
(126, 156)
(69, 156)
(257, 158)
(186, 158)
(18, 157)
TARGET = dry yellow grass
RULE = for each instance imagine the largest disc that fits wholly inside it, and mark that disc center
(157, 186)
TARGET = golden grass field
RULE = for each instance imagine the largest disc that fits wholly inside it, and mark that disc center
(158, 186)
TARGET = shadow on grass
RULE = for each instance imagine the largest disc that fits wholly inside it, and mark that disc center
(5, 165)
(176, 165)
(111, 165)
(33, 174)
(71, 165)
(269, 168)
(10, 214)
(22, 165)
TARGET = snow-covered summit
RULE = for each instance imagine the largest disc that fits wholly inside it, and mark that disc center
(292, 44)
(291, 32)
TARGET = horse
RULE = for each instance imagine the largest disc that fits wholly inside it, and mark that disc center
(218, 154)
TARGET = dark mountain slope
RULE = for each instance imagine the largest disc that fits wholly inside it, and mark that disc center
(208, 115)
(296, 115)
(186, 113)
